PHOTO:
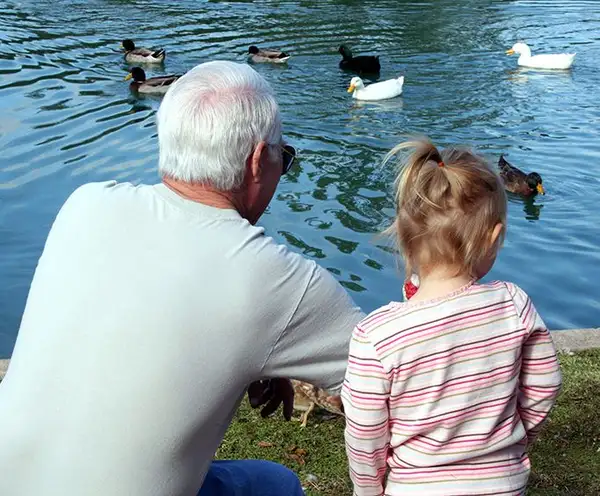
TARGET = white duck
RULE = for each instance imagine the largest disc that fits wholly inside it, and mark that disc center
(547, 61)
(376, 91)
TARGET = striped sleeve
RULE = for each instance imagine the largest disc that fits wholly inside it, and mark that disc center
(540, 379)
(365, 396)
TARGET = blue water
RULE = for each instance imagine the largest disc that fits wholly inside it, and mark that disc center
(67, 117)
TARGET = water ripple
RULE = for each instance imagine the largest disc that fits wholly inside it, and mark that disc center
(68, 118)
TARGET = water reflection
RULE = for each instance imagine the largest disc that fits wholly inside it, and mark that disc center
(531, 209)
(138, 106)
(393, 104)
(525, 74)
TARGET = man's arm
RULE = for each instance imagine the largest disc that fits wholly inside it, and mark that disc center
(313, 347)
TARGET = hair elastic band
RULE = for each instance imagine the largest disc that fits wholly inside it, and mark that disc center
(441, 164)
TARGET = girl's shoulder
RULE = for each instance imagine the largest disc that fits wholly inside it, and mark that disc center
(379, 317)
(406, 313)
(516, 293)
(504, 295)
(411, 286)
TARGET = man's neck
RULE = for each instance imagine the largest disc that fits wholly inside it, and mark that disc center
(202, 193)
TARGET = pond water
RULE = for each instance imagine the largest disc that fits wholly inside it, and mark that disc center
(67, 117)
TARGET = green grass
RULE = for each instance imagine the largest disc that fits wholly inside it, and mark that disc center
(566, 457)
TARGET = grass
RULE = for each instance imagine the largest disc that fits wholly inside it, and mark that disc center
(566, 457)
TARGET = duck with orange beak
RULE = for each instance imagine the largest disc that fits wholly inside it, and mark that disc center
(552, 61)
(517, 182)
(376, 91)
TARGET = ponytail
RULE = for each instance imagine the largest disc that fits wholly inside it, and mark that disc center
(446, 201)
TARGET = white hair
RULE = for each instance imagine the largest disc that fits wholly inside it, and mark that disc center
(211, 119)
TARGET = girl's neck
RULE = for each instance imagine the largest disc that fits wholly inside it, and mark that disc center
(439, 282)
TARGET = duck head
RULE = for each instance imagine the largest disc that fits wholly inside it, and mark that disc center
(253, 50)
(138, 75)
(520, 49)
(356, 83)
(345, 52)
(128, 45)
(534, 181)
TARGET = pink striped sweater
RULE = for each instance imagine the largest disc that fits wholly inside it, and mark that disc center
(442, 397)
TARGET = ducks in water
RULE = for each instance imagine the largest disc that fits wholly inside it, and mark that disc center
(516, 181)
(546, 61)
(135, 55)
(156, 85)
(267, 55)
(376, 91)
(363, 64)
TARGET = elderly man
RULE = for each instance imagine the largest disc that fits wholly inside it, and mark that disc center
(153, 308)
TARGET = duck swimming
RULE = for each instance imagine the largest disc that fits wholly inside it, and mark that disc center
(516, 181)
(135, 55)
(546, 61)
(267, 55)
(363, 64)
(156, 85)
(376, 91)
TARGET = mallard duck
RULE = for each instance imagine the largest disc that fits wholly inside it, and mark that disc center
(516, 181)
(307, 397)
(376, 91)
(135, 55)
(363, 64)
(267, 55)
(548, 61)
(155, 85)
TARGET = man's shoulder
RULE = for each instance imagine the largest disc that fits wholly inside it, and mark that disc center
(263, 252)
(90, 193)
(97, 189)
(107, 198)
(244, 245)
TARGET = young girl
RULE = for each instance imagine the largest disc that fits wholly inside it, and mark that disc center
(444, 392)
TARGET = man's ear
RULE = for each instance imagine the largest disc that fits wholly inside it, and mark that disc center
(254, 164)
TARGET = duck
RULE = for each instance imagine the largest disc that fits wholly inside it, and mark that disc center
(156, 85)
(363, 64)
(267, 55)
(546, 61)
(307, 397)
(376, 91)
(516, 181)
(135, 55)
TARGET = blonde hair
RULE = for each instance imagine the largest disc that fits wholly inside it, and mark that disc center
(447, 205)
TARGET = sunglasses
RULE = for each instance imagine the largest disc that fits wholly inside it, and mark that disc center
(288, 154)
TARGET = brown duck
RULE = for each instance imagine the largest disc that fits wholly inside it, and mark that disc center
(155, 85)
(516, 181)
(307, 397)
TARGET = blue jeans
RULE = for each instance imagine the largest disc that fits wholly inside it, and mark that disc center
(250, 478)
